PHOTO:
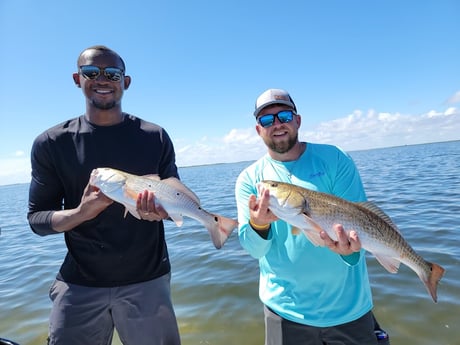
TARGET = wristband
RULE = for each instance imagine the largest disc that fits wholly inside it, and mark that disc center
(259, 227)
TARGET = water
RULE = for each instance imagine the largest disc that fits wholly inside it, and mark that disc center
(215, 291)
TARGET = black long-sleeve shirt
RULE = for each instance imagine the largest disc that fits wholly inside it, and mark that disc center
(111, 249)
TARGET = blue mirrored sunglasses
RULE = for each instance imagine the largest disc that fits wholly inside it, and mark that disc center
(284, 116)
(93, 72)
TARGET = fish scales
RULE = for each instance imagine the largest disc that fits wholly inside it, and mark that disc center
(171, 198)
(370, 228)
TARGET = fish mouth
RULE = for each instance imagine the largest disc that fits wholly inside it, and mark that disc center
(260, 186)
(93, 176)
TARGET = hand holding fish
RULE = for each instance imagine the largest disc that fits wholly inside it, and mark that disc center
(148, 209)
(347, 242)
(259, 213)
(93, 202)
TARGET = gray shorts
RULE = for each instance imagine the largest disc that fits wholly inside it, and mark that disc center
(141, 313)
(279, 331)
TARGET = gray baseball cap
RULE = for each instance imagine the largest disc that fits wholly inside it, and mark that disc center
(273, 96)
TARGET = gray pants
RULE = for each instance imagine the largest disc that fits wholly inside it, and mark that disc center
(279, 331)
(141, 313)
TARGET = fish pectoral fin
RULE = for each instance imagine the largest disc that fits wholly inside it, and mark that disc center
(314, 238)
(133, 212)
(296, 231)
(177, 219)
(391, 264)
(313, 226)
(312, 231)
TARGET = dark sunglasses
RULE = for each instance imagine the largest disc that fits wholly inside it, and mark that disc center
(93, 72)
(284, 116)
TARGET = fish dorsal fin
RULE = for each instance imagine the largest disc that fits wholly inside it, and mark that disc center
(370, 206)
(154, 177)
(178, 185)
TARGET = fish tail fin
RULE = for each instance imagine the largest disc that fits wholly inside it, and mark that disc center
(431, 282)
(221, 230)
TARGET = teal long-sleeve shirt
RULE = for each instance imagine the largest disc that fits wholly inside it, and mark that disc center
(299, 281)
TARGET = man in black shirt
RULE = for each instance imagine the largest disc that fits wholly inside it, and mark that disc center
(116, 272)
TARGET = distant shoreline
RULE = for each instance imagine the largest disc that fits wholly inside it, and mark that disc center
(251, 161)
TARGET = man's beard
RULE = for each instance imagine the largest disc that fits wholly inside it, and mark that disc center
(104, 106)
(282, 147)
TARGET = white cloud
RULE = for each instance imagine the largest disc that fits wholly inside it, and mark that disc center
(357, 131)
(451, 111)
(238, 145)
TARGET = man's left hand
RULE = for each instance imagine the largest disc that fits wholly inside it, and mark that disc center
(347, 242)
(147, 209)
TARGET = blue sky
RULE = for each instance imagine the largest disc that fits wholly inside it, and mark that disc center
(363, 73)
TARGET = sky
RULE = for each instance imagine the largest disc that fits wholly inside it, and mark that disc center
(364, 74)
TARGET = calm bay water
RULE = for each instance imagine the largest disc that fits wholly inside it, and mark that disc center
(215, 291)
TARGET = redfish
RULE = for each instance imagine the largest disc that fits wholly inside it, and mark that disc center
(175, 198)
(312, 212)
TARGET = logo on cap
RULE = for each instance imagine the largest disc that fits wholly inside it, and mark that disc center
(277, 97)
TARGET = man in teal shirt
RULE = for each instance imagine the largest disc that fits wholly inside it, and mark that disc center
(312, 295)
